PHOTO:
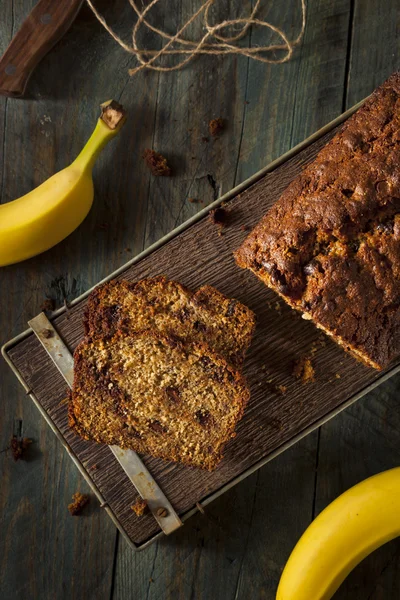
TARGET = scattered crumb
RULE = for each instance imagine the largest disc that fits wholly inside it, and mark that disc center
(79, 502)
(219, 216)
(246, 102)
(157, 163)
(193, 200)
(151, 580)
(304, 370)
(94, 467)
(140, 507)
(48, 304)
(128, 249)
(216, 126)
(337, 376)
(18, 447)
(220, 233)
(205, 139)
(282, 389)
(245, 227)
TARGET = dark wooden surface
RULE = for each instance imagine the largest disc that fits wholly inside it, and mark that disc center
(239, 548)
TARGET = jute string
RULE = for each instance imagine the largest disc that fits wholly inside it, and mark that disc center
(213, 42)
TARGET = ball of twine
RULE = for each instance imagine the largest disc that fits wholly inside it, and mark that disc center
(213, 42)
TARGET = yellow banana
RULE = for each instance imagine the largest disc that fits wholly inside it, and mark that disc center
(359, 521)
(49, 213)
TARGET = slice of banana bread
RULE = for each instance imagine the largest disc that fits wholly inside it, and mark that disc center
(330, 246)
(156, 395)
(166, 306)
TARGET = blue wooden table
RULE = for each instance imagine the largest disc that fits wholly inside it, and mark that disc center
(238, 548)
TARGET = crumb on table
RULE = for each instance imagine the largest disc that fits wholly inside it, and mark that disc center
(157, 163)
(79, 502)
(219, 216)
(18, 447)
(140, 507)
(48, 305)
(216, 126)
(304, 370)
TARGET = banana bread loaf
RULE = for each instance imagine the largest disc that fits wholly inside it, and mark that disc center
(166, 306)
(331, 245)
(156, 395)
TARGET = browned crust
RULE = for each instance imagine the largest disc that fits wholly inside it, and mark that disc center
(330, 246)
(88, 381)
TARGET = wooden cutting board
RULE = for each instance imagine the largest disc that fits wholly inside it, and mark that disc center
(281, 409)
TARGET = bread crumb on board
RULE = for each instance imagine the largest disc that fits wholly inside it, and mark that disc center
(219, 216)
(304, 370)
(140, 507)
(216, 126)
(157, 163)
(79, 502)
(18, 447)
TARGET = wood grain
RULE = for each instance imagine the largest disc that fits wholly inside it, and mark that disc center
(197, 256)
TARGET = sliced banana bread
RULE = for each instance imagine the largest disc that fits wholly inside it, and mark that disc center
(156, 395)
(166, 306)
(330, 246)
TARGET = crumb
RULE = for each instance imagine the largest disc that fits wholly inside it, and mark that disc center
(246, 102)
(128, 249)
(157, 163)
(151, 580)
(205, 139)
(220, 233)
(193, 200)
(304, 370)
(47, 333)
(49, 304)
(216, 126)
(337, 376)
(18, 447)
(79, 501)
(244, 227)
(219, 216)
(94, 467)
(140, 507)
(282, 389)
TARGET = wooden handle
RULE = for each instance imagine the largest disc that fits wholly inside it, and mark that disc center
(44, 26)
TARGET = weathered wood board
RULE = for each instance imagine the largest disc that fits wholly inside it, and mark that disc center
(280, 408)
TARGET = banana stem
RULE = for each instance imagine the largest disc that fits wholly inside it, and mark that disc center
(110, 122)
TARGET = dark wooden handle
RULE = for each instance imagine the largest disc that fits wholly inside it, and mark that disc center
(44, 26)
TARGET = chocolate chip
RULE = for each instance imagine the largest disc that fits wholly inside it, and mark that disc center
(156, 426)
(173, 394)
(386, 227)
(269, 266)
(204, 417)
(199, 326)
(312, 267)
(347, 192)
(383, 187)
(354, 245)
(231, 308)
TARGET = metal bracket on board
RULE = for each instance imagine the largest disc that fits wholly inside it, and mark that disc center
(158, 503)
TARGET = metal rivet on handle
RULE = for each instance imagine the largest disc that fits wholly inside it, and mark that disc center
(162, 512)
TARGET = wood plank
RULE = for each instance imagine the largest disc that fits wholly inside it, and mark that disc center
(271, 418)
(365, 439)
